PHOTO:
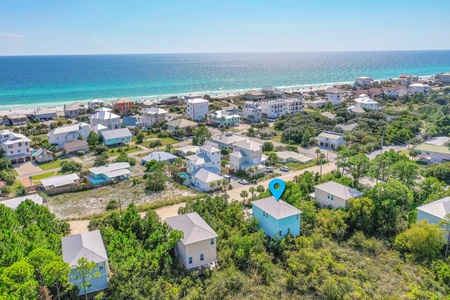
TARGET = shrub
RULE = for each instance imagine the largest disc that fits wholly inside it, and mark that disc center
(6, 190)
(80, 153)
(99, 149)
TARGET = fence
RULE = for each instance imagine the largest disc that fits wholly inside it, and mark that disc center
(86, 185)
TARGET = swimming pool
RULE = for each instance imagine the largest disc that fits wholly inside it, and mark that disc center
(184, 175)
(94, 180)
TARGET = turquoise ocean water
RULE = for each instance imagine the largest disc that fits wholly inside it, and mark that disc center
(45, 81)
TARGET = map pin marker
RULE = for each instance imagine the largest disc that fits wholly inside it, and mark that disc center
(277, 192)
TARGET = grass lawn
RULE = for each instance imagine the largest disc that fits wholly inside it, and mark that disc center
(130, 150)
(296, 166)
(276, 138)
(42, 176)
(50, 165)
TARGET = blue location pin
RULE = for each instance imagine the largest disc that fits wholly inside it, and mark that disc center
(277, 192)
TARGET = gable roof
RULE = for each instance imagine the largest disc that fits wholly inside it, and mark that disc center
(122, 100)
(347, 127)
(159, 156)
(333, 90)
(106, 170)
(439, 208)
(75, 144)
(206, 175)
(15, 202)
(330, 135)
(328, 115)
(182, 123)
(104, 115)
(209, 148)
(88, 245)
(433, 148)
(116, 133)
(155, 110)
(248, 145)
(339, 190)
(58, 181)
(195, 229)
(70, 128)
(277, 209)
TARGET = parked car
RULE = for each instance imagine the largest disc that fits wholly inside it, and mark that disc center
(268, 170)
(242, 181)
(285, 169)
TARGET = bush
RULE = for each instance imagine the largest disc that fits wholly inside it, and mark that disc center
(112, 205)
(132, 161)
(6, 190)
(80, 153)
(99, 149)
(21, 191)
(70, 166)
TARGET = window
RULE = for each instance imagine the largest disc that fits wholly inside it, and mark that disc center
(100, 268)
(190, 260)
(202, 257)
(264, 213)
(331, 197)
(280, 233)
(297, 217)
(267, 215)
(212, 241)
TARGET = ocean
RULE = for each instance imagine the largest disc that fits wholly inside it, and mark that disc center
(48, 81)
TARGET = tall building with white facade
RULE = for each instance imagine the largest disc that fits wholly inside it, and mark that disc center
(251, 111)
(105, 118)
(363, 81)
(197, 109)
(62, 135)
(294, 105)
(15, 146)
(275, 108)
(246, 154)
(417, 88)
(152, 115)
(334, 95)
(207, 157)
(222, 118)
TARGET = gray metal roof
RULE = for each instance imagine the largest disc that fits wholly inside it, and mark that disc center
(206, 174)
(195, 229)
(159, 156)
(58, 181)
(277, 209)
(182, 123)
(116, 133)
(248, 145)
(339, 190)
(88, 245)
(15, 202)
(439, 208)
(110, 168)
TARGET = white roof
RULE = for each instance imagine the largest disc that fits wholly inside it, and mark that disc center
(155, 110)
(110, 168)
(104, 115)
(277, 209)
(88, 245)
(363, 98)
(438, 141)
(188, 148)
(99, 127)
(418, 84)
(116, 133)
(15, 138)
(70, 128)
(206, 175)
(328, 115)
(347, 127)
(209, 148)
(227, 139)
(195, 229)
(248, 145)
(58, 181)
(333, 90)
(159, 156)
(103, 109)
(339, 190)
(197, 100)
(181, 123)
(288, 154)
(330, 135)
(355, 109)
(364, 77)
(439, 208)
(15, 202)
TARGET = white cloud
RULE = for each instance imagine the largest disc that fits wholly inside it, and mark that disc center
(100, 43)
(12, 37)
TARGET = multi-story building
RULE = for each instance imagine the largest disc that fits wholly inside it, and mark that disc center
(207, 157)
(74, 109)
(254, 95)
(15, 146)
(417, 88)
(363, 101)
(294, 105)
(116, 136)
(363, 81)
(61, 135)
(330, 139)
(252, 112)
(246, 154)
(334, 194)
(152, 115)
(105, 118)
(222, 118)
(197, 109)
(123, 105)
(334, 95)
(270, 90)
(444, 77)
(275, 108)
(395, 91)
(15, 119)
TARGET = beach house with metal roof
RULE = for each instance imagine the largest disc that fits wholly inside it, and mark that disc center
(75, 146)
(16, 119)
(197, 248)
(123, 105)
(173, 125)
(105, 118)
(222, 118)
(197, 109)
(246, 154)
(61, 135)
(158, 156)
(276, 217)
(334, 194)
(152, 115)
(116, 136)
(55, 182)
(90, 246)
(334, 95)
(15, 146)
(115, 171)
(15, 202)
(203, 177)
(364, 101)
(435, 211)
(75, 109)
(330, 139)
(434, 151)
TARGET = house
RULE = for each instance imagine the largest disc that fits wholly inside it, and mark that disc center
(54, 182)
(74, 110)
(348, 127)
(395, 91)
(173, 125)
(433, 153)
(246, 154)
(123, 105)
(207, 156)
(152, 115)
(203, 177)
(105, 118)
(315, 104)
(227, 140)
(197, 248)
(435, 211)
(406, 80)
(251, 111)
(116, 136)
(15, 119)
(42, 155)
(363, 81)
(334, 95)
(158, 156)
(222, 118)
(334, 194)
(103, 109)
(254, 95)
(276, 217)
(99, 128)
(44, 114)
(270, 90)
(364, 101)
(173, 100)
(187, 150)
(96, 103)
(90, 246)
(417, 88)
(75, 146)
(294, 105)
(328, 115)
(291, 156)
(61, 135)
(15, 202)
(444, 77)
(15, 146)
(355, 109)
(115, 171)
(330, 139)
(197, 109)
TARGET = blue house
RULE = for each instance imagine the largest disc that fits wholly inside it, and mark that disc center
(276, 218)
(89, 246)
(116, 136)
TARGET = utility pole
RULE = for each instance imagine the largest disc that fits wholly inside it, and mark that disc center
(382, 143)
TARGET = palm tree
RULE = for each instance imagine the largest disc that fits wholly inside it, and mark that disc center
(252, 191)
(317, 154)
(212, 185)
(244, 194)
(322, 157)
(260, 189)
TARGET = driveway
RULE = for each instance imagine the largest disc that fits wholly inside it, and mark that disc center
(387, 148)
(27, 168)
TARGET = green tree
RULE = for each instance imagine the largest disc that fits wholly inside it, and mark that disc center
(156, 181)
(123, 157)
(101, 159)
(92, 139)
(18, 281)
(361, 214)
(267, 146)
(406, 172)
(332, 223)
(70, 166)
(155, 144)
(358, 164)
(201, 135)
(260, 189)
(140, 137)
(56, 274)
(252, 190)
(86, 270)
(5, 163)
(244, 195)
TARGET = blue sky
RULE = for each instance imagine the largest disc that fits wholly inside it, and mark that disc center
(31, 27)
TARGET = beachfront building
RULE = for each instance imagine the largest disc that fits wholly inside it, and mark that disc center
(61, 135)
(16, 119)
(105, 118)
(315, 104)
(173, 125)
(273, 108)
(99, 109)
(435, 150)
(15, 202)
(15, 146)
(363, 81)
(97, 103)
(334, 95)
(74, 109)
(116, 171)
(364, 101)
(405, 79)
(227, 140)
(197, 248)
(159, 157)
(197, 109)
(435, 211)
(444, 77)
(116, 136)
(417, 88)
(254, 95)
(246, 154)
(276, 217)
(151, 116)
(90, 246)
(252, 112)
(44, 114)
(294, 105)
(75, 146)
(123, 106)
(334, 194)
(330, 139)
(42, 155)
(222, 118)
(270, 90)
(395, 91)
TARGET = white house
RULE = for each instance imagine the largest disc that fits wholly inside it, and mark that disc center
(294, 105)
(273, 108)
(152, 115)
(434, 212)
(105, 118)
(434, 153)
(334, 194)
(187, 150)
(270, 90)
(15, 202)
(246, 154)
(291, 156)
(90, 246)
(417, 88)
(363, 81)
(203, 177)
(222, 118)
(254, 95)
(173, 125)
(334, 95)
(74, 109)
(55, 182)
(197, 248)
(364, 101)
(395, 91)
(227, 140)
(251, 111)
(15, 146)
(61, 135)
(208, 156)
(197, 109)
(330, 139)
(444, 77)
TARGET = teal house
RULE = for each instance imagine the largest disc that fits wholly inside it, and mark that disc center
(116, 136)
(276, 217)
(89, 246)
